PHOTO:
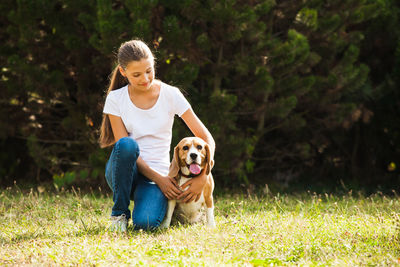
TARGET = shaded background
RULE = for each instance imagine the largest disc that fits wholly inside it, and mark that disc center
(294, 92)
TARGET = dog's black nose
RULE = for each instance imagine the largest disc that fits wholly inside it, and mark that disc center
(193, 156)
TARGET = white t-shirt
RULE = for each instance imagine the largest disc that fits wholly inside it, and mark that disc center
(151, 128)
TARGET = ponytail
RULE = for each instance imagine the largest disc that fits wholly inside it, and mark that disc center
(106, 134)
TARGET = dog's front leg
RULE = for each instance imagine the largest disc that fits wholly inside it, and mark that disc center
(210, 212)
(168, 215)
(210, 217)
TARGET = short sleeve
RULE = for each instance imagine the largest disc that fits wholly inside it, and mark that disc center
(181, 105)
(111, 106)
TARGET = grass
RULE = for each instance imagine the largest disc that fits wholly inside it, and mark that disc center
(70, 228)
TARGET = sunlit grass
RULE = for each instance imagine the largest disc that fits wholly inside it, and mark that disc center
(70, 228)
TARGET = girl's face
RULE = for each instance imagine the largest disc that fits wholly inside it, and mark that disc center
(140, 74)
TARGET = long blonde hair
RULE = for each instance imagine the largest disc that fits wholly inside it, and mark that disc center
(134, 50)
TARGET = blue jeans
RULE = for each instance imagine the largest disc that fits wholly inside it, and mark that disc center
(127, 184)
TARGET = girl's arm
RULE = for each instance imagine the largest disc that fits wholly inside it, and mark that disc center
(199, 130)
(167, 185)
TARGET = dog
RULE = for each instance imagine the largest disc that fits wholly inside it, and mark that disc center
(191, 157)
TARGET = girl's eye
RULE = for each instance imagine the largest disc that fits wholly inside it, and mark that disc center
(185, 148)
(199, 147)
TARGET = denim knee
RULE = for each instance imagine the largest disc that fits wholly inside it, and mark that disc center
(127, 148)
(146, 222)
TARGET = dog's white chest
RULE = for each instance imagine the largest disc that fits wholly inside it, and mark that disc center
(192, 210)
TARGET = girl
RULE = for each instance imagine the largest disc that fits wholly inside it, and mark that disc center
(138, 116)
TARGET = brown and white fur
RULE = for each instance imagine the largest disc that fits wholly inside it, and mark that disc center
(188, 151)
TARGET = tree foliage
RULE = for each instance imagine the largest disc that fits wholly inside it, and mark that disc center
(285, 87)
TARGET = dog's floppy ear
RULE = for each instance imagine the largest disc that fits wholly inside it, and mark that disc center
(174, 167)
(210, 161)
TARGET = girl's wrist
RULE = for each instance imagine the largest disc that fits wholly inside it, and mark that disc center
(157, 178)
(202, 177)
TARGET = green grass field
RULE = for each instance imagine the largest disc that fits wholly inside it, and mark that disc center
(70, 228)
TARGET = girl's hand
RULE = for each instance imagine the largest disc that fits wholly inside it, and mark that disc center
(169, 187)
(195, 189)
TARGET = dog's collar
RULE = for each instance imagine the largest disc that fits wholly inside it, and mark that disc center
(190, 175)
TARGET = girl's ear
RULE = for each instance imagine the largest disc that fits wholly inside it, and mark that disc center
(174, 167)
(210, 161)
(122, 71)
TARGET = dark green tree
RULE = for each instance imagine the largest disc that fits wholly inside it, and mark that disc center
(284, 86)
(278, 78)
(374, 145)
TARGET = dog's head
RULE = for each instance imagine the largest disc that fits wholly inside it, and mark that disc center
(191, 156)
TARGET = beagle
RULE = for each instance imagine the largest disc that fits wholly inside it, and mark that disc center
(191, 157)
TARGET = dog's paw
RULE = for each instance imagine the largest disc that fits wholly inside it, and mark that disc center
(211, 224)
(164, 225)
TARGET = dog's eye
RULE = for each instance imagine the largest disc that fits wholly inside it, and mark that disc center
(199, 147)
(185, 148)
